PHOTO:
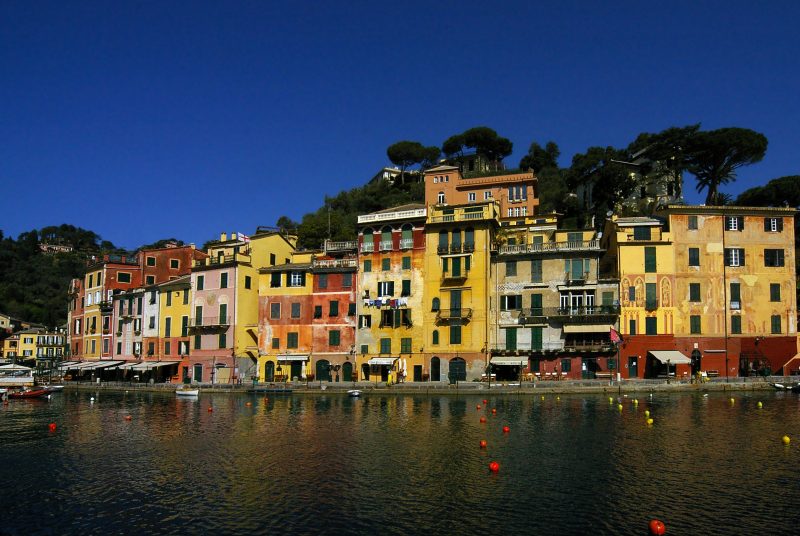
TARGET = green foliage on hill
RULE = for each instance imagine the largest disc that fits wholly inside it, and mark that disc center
(33, 284)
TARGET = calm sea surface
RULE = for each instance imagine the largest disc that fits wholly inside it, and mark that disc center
(399, 465)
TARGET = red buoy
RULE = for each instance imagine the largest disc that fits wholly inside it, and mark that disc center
(657, 528)
(248, 404)
(51, 427)
(494, 467)
(485, 401)
(483, 419)
(483, 443)
(478, 406)
(128, 417)
(494, 411)
(506, 429)
(210, 409)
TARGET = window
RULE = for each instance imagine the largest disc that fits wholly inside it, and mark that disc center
(197, 343)
(322, 280)
(386, 346)
(347, 280)
(223, 280)
(272, 259)
(150, 280)
(773, 257)
(223, 340)
(297, 279)
(167, 348)
(734, 223)
(184, 326)
(641, 233)
(694, 256)
(471, 197)
(435, 304)
(511, 303)
(385, 288)
(511, 268)
(364, 321)
(650, 298)
(650, 260)
(364, 349)
(169, 299)
(275, 280)
(632, 327)
(651, 325)
(734, 257)
(694, 292)
(198, 315)
(334, 337)
(736, 324)
(151, 322)
(566, 365)
(119, 348)
(775, 292)
(631, 294)
(455, 333)
(692, 223)
(511, 338)
(440, 198)
(295, 310)
(386, 265)
(317, 311)
(186, 296)
(123, 277)
(694, 324)
(536, 271)
(275, 310)
(276, 343)
(174, 264)
(773, 225)
(406, 263)
(367, 266)
(775, 322)
(168, 327)
(150, 261)
(247, 281)
(405, 345)
(291, 339)
(406, 288)
(91, 280)
(487, 195)
(333, 308)
(735, 297)
(351, 309)
(200, 282)
(435, 337)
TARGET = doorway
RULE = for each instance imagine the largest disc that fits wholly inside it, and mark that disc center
(458, 370)
(347, 371)
(269, 371)
(323, 370)
(198, 373)
(435, 369)
(417, 373)
(633, 366)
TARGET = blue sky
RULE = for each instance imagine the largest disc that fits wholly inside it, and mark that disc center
(145, 120)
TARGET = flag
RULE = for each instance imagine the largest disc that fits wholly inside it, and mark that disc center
(616, 338)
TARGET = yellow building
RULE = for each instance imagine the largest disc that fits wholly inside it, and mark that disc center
(390, 337)
(458, 247)
(34, 344)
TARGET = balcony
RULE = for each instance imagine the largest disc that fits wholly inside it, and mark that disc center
(396, 215)
(455, 248)
(221, 260)
(525, 348)
(469, 247)
(406, 243)
(105, 306)
(340, 246)
(385, 245)
(367, 247)
(446, 315)
(575, 280)
(736, 305)
(209, 322)
(589, 346)
(455, 276)
(334, 263)
(551, 247)
(471, 213)
(587, 314)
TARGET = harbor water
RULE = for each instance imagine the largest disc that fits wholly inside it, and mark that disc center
(395, 464)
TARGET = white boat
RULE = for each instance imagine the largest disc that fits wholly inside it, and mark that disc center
(354, 392)
(187, 392)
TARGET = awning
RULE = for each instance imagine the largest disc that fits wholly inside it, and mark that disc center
(382, 361)
(150, 365)
(587, 328)
(508, 361)
(128, 366)
(101, 364)
(14, 368)
(293, 357)
(673, 356)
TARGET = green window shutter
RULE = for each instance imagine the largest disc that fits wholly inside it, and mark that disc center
(455, 334)
(223, 280)
(364, 349)
(334, 337)
(650, 260)
(651, 296)
(735, 292)
(736, 324)
(694, 292)
(776, 324)
(651, 326)
(200, 282)
(223, 340)
(405, 345)
(467, 263)
(168, 327)
(334, 308)
(197, 342)
(435, 337)
(291, 339)
(536, 304)
(536, 338)
(184, 326)
(694, 324)
(351, 309)
(367, 266)
(608, 298)
(322, 280)
(223, 313)
(444, 265)
(511, 338)
(275, 280)
(276, 343)
(386, 265)
(775, 292)
(456, 266)
(694, 256)
(536, 270)
(406, 263)
(386, 346)
(406, 287)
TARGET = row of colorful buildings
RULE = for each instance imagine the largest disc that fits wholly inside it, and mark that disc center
(469, 285)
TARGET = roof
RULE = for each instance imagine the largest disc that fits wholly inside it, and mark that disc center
(443, 167)
(410, 206)
(291, 267)
(727, 209)
(183, 281)
(634, 221)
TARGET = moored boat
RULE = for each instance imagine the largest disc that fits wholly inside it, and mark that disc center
(354, 392)
(187, 392)
(29, 393)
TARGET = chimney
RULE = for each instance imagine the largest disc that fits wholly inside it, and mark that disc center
(223, 237)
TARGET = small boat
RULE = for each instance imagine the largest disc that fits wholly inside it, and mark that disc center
(354, 393)
(54, 388)
(187, 392)
(29, 393)
(779, 386)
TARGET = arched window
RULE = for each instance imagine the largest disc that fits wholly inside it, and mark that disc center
(367, 241)
(435, 337)
(435, 304)
(440, 198)
(386, 238)
(407, 239)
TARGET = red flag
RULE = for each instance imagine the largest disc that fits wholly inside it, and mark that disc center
(615, 336)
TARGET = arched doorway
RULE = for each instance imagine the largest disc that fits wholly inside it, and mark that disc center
(323, 370)
(436, 369)
(347, 371)
(365, 372)
(458, 370)
(697, 361)
(269, 371)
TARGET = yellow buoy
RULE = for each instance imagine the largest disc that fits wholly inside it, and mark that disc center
(732, 401)
(542, 397)
(649, 421)
(635, 401)
(786, 440)
(558, 398)
(619, 407)
(760, 405)
(647, 413)
(610, 400)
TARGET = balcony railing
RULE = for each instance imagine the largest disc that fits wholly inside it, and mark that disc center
(406, 243)
(398, 215)
(209, 322)
(524, 348)
(574, 315)
(105, 306)
(222, 259)
(588, 346)
(367, 247)
(385, 245)
(447, 215)
(571, 245)
(348, 245)
(455, 248)
(335, 263)
(453, 314)
(462, 274)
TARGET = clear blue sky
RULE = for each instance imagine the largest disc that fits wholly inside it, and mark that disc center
(145, 120)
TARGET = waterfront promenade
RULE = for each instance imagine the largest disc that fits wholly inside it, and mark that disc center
(442, 388)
